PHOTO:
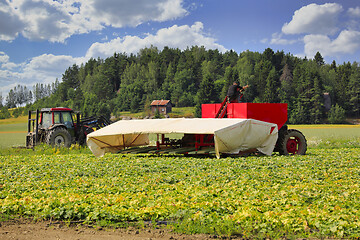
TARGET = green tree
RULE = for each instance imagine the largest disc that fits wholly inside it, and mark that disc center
(167, 86)
(319, 59)
(246, 74)
(272, 87)
(354, 91)
(261, 72)
(90, 104)
(183, 82)
(341, 86)
(11, 99)
(152, 83)
(70, 79)
(299, 114)
(336, 115)
(4, 113)
(206, 93)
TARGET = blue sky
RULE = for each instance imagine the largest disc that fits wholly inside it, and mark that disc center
(40, 39)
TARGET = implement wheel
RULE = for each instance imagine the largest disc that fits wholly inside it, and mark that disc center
(58, 137)
(292, 142)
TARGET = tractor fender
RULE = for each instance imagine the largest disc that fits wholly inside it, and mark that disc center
(57, 125)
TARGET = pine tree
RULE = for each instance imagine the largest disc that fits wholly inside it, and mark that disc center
(206, 93)
(272, 87)
(1, 100)
(319, 59)
(336, 115)
(11, 99)
(354, 91)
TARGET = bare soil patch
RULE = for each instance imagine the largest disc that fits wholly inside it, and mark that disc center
(27, 230)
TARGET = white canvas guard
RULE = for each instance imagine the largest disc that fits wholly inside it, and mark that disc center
(231, 135)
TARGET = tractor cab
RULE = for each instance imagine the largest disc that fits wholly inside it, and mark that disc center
(54, 117)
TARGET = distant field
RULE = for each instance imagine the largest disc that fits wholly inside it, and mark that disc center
(13, 131)
(21, 119)
(323, 130)
(12, 135)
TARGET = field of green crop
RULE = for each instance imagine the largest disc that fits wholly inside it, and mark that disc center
(13, 133)
(311, 196)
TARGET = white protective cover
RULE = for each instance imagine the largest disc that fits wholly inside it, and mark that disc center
(230, 135)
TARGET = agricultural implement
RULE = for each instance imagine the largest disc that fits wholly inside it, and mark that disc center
(225, 128)
(60, 127)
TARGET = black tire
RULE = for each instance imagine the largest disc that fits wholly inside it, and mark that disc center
(83, 133)
(58, 137)
(292, 142)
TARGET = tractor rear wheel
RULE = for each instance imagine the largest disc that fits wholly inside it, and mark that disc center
(292, 142)
(58, 137)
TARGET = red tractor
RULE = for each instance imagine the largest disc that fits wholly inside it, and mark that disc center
(60, 127)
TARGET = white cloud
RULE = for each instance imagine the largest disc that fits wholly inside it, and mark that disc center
(5, 62)
(314, 19)
(10, 24)
(174, 37)
(9, 65)
(41, 69)
(3, 57)
(49, 64)
(346, 43)
(354, 12)
(277, 38)
(317, 24)
(58, 20)
(130, 13)
(170, 10)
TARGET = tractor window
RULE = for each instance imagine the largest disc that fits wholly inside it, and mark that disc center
(67, 119)
(57, 117)
(46, 120)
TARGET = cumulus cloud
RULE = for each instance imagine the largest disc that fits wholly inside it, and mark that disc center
(175, 37)
(3, 57)
(10, 24)
(41, 69)
(277, 38)
(354, 12)
(314, 19)
(5, 63)
(58, 20)
(131, 13)
(347, 42)
(320, 30)
(49, 64)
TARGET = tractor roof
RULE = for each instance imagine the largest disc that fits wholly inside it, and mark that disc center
(57, 109)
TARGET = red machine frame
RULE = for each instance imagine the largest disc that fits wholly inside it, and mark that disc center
(267, 112)
(290, 141)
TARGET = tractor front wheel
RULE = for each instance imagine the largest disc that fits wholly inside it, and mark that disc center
(292, 142)
(58, 137)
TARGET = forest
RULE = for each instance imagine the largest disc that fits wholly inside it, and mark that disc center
(316, 92)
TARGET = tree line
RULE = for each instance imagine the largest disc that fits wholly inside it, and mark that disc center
(315, 91)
